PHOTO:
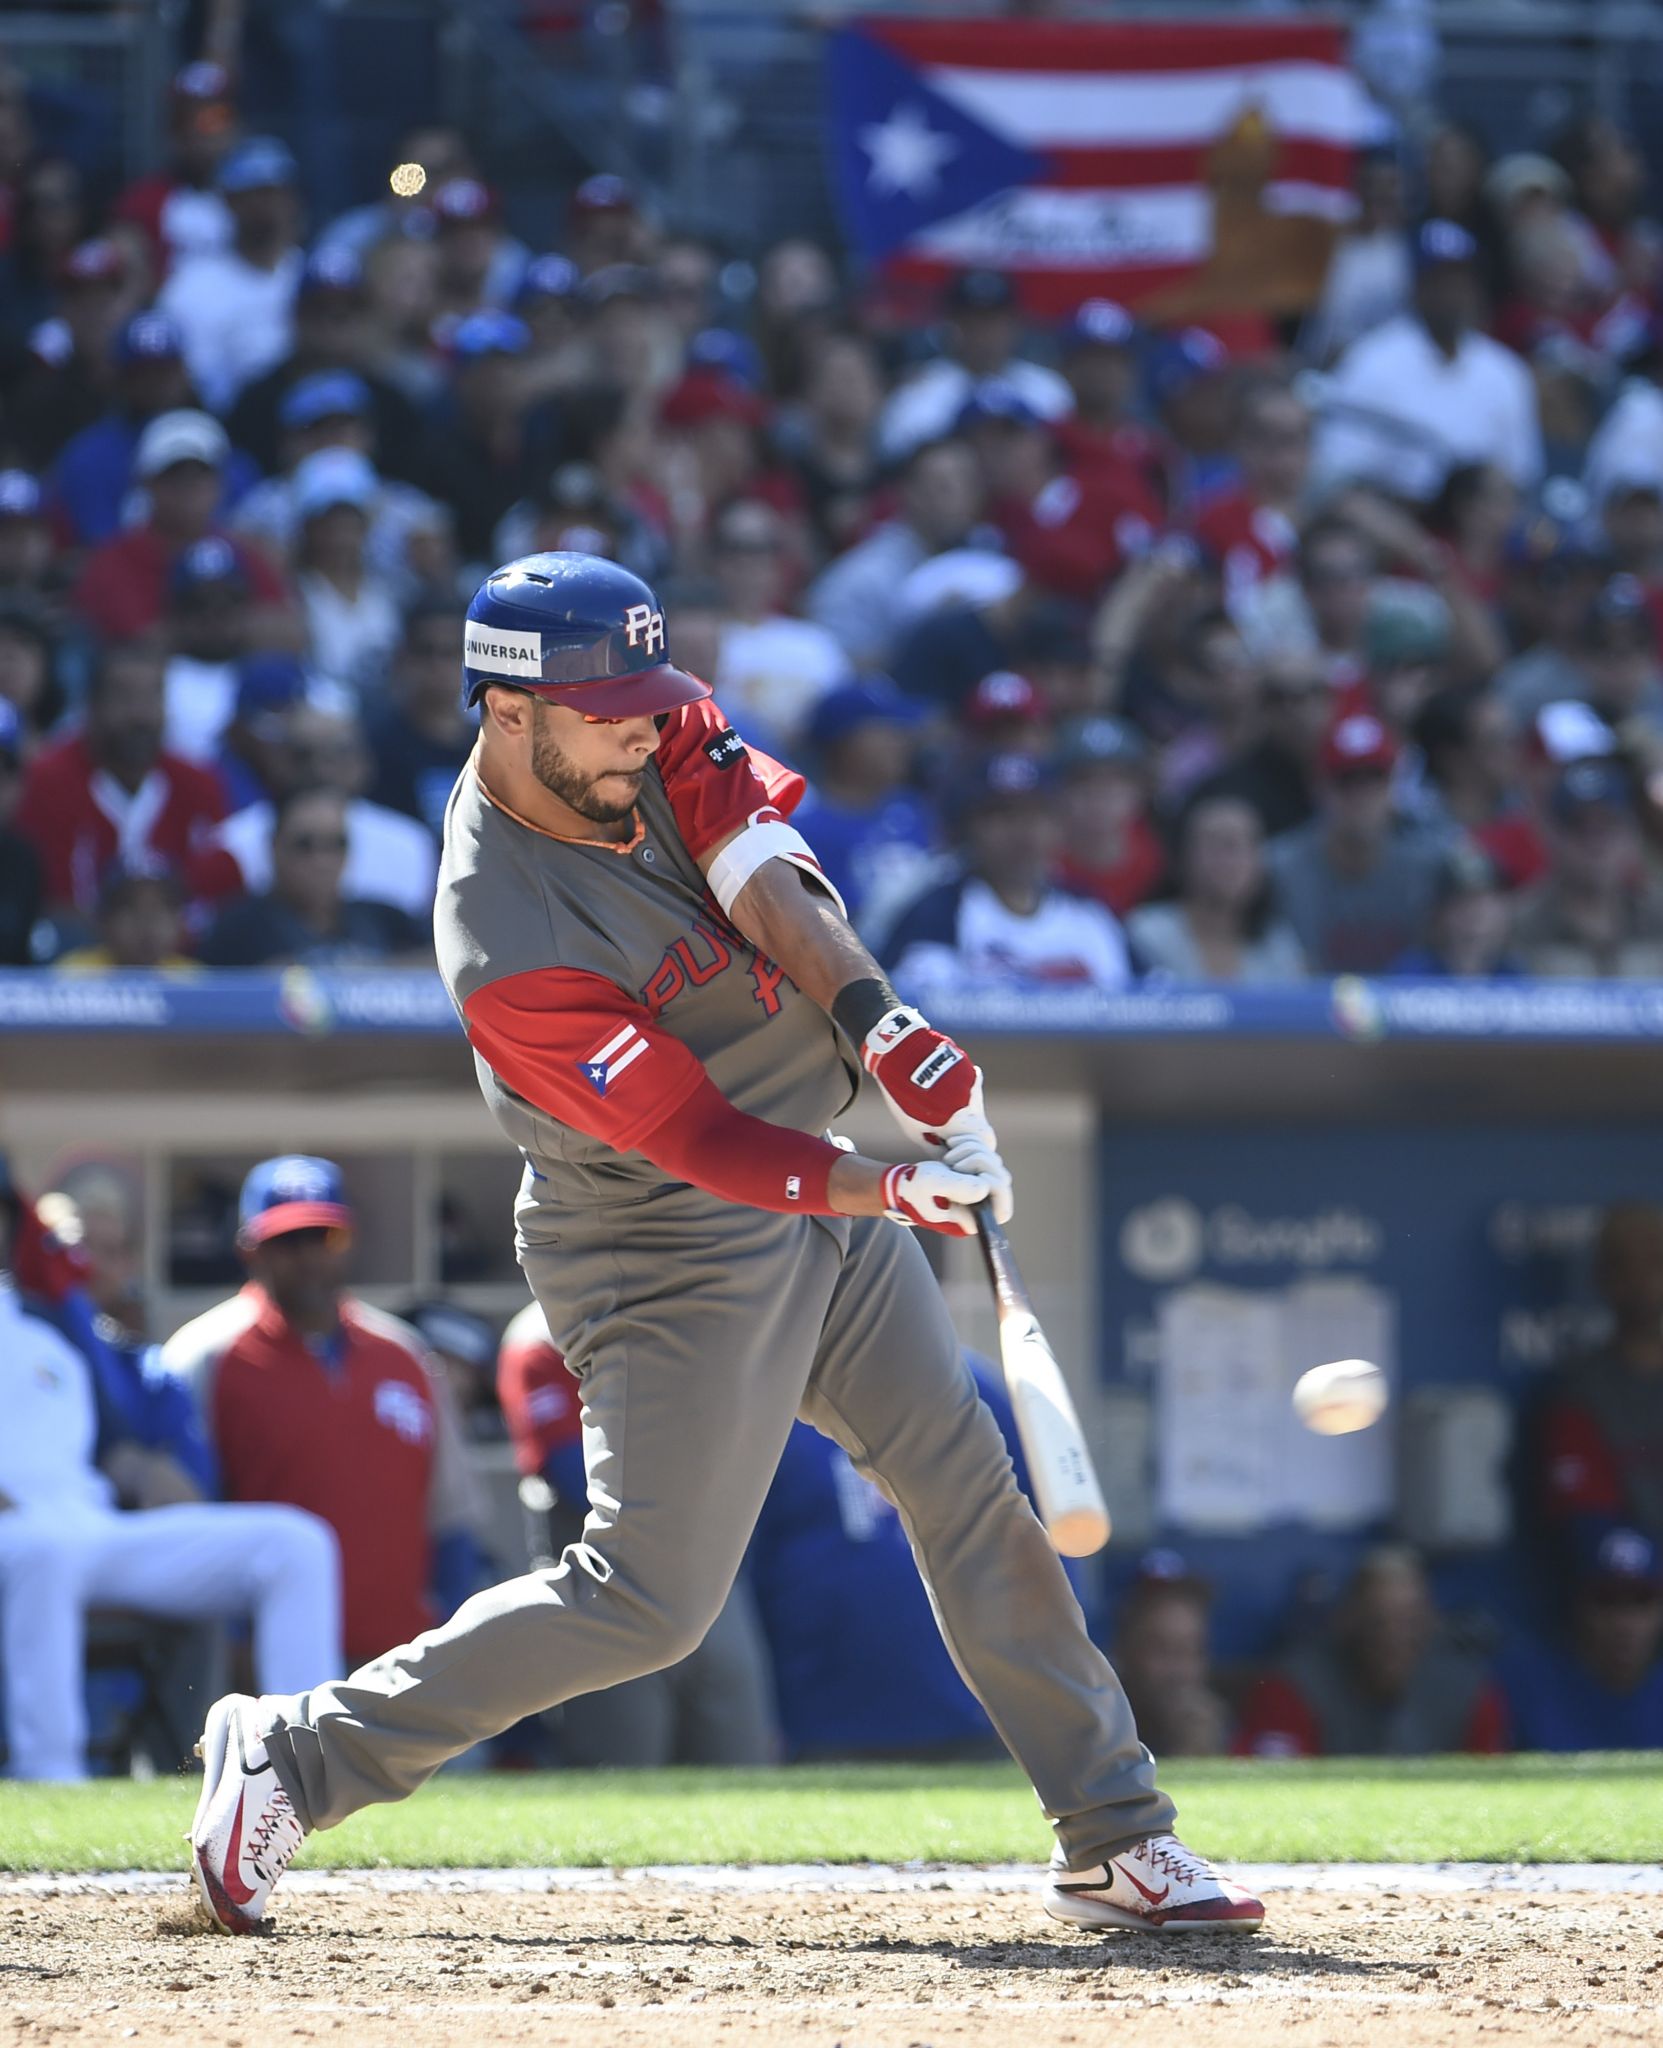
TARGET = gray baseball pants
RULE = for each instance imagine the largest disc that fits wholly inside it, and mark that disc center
(700, 1331)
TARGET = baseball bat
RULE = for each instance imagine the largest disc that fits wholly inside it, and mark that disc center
(1071, 1503)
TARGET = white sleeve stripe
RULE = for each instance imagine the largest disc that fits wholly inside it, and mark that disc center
(618, 1066)
(753, 848)
(616, 1044)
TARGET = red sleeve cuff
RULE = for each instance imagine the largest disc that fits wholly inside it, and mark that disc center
(741, 1158)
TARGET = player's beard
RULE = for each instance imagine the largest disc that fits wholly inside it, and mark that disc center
(554, 770)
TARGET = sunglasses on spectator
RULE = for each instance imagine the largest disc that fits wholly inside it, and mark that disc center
(318, 842)
(1358, 778)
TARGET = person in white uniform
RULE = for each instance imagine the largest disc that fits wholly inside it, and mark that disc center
(65, 1546)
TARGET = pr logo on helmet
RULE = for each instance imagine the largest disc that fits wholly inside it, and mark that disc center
(643, 627)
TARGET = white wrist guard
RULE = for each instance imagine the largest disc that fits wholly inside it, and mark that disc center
(753, 848)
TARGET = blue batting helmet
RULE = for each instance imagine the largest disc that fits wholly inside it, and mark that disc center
(576, 630)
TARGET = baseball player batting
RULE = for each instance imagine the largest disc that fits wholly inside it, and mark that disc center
(667, 1007)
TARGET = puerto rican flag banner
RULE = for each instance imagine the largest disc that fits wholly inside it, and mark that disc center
(1184, 167)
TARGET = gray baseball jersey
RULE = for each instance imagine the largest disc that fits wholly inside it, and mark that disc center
(612, 1007)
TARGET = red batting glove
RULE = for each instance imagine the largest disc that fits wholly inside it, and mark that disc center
(931, 1197)
(933, 1088)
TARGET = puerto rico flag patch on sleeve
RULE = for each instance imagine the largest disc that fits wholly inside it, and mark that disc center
(607, 1062)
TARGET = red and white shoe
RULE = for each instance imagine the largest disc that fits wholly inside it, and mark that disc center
(1158, 1885)
(246, 1830)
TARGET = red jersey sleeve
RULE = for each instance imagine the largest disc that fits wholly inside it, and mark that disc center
(715, 782)
(540, 1402)
(578, 1048)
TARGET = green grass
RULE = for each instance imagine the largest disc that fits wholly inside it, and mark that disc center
(1510, 1809)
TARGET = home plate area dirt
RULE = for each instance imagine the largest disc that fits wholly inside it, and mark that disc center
(649, 1965)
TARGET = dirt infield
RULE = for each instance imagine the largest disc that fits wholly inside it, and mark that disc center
(648, 1964)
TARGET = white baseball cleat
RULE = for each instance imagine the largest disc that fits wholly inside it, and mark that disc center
(1158, 1885)
(246, 1830)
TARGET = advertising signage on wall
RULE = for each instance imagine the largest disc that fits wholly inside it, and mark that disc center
(1233, 1260)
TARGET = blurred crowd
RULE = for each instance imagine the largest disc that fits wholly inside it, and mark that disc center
(283, 1490)
(1107, 651)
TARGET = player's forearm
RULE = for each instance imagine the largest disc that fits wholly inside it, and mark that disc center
(783, 914)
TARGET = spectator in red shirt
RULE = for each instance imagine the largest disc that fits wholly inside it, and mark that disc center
(1385, 1681)
(123, 588)
(110, 791)
(1253, 530)
(310, 1396)
(176, 208)
(1099, 359)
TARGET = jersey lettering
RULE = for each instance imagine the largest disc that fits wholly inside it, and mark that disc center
(725, 748)
(767, 978)
(643, 627)
(720, 956)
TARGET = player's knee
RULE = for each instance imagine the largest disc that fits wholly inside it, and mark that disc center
(302, 1543)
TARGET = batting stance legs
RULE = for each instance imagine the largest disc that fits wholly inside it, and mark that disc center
(689, 1393)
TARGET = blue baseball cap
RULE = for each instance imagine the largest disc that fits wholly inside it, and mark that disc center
(268, 684)
(850, 705)
(548, 277)
(719, 348)
(1183, 359)
(1592, 784)
(20, 495)
(1001, 779)
(996, 399)
(324, 396)
(1622, 1561)
(204, 562)
(331, 270)
(257, 164)
(148, 338)
(490, 333)
(1100, 323)
(334, 476)
(1441, 243)
(295, 1192)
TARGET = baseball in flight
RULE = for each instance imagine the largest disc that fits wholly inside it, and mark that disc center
(1336, 1399)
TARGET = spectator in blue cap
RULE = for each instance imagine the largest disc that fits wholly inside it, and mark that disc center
(1192, 389)
(1601, 1687)
(92, 482)
(549, 301)
(1597, 915)
(351, 609)
(981, 336)
(207, 626)
(235, 306)
(870, 828)
(486, 445)
(1429, 390)
(253, 757)
(335, 409)
(333, 331)
(1103, 434)
(20, 875)
(1001, 922)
